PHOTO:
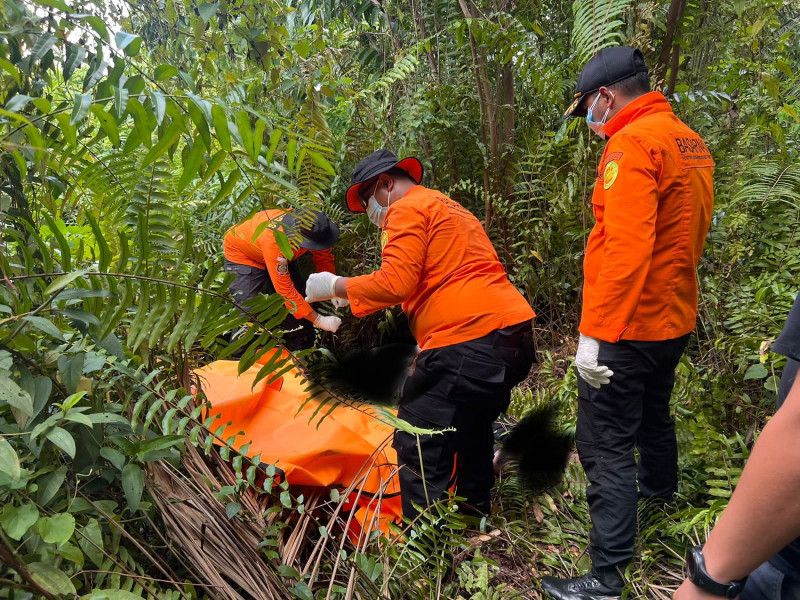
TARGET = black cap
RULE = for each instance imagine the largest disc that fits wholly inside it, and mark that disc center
(607, 67)
(315, 229)
(373, 165)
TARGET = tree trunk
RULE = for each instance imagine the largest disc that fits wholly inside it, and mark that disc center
(676, 9)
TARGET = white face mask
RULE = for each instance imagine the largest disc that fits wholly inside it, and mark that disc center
(376, 212)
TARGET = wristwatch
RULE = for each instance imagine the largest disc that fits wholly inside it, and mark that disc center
(696, 570)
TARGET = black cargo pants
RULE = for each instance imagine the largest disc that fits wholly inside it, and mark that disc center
(464, 386)
(631, 412)
(252, 281)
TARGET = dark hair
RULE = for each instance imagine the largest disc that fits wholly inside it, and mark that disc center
(633, 86)
(398, 173)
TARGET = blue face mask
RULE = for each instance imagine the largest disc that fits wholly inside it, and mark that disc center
(596, 126)
(376, 212)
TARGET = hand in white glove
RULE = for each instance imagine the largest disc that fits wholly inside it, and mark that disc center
(340, 302)
(586, 362)
(328, 322)
(320, 286)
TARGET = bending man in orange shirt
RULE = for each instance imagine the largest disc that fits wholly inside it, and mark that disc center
(652, 203)
(252, 253)
(472, 325)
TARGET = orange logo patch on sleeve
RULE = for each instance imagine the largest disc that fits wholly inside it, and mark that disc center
(610, 174)
(384, 239)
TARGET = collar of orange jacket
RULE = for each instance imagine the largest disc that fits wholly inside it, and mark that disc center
(647, 104)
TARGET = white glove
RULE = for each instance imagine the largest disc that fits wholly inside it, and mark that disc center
(328, 322)
(320, 286)
(586, 362)
(340, 302)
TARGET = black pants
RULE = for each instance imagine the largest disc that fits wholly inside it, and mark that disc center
(632, 411)
(464, 386)
(252, 281)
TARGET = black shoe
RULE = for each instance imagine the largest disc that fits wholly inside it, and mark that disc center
(585, 587)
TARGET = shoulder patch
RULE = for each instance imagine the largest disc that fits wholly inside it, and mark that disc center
(384, 239)
(283, 266)
(610, 174)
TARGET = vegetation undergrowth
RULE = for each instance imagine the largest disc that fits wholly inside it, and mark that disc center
(134, 133)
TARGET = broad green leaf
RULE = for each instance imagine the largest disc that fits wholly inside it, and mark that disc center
(15, 396)
(121, 95)
(199, 119)
(159, 106)
(221, 127)
(16, 520)
(95, 74)
(56, 529)
(10, 69)
(44, 325)
(91, 542)
(302, 591)
(80, 108)
(37, 142)
(15, 116)
(68, 130)
(322, 162)
(75, 55)
(245, 131)
(163, 72)
(59, 4)
(61, 438)
(274, 138)
(114, 456)
(291, 152)
(71, 552)
(258, 139)
(41, 46)
(43, 105)
(141, 121)
(9, 461)
(206, 10)
(128, 43)
(133, 485)
(63, 281)
(170, 137)
(18, 102)
(107, 123)
(284, 245)
(756, 371)
(50, 484)
(51, 579)
(81, 315)
(192, 164)
(100, 28)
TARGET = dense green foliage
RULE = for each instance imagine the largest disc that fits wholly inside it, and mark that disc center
(132, 134)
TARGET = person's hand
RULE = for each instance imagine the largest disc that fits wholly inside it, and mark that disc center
(340, 302)
(328, 322)
(586, 362)
(689, 591)
(320, 286)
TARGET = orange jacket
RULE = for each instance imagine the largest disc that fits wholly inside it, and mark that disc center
(440, 265)
(240, 247)
(652, 200)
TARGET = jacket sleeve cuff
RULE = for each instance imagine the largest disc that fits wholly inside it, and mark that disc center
(611, 333)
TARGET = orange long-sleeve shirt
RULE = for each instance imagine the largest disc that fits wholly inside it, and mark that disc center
(241, 247)
(440, 265)
(652, 200)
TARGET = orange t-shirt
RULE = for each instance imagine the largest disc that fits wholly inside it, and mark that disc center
(440, 265)
(262, 252)
(652, 200)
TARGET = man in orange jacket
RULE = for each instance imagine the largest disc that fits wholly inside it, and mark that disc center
(472, 325)
(652, 203)
(252, 254)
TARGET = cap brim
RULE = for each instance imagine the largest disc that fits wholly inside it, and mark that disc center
(410, 165)
(574, 109)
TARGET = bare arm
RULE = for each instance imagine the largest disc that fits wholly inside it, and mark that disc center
(763, 515)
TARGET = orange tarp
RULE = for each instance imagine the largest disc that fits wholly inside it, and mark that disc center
(279, 423)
